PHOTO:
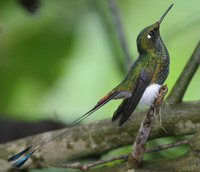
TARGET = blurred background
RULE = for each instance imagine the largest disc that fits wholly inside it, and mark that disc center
(57, 58)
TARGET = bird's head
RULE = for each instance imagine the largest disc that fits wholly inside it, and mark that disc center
(149, 39)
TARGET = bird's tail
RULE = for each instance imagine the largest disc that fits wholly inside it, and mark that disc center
(20, 158)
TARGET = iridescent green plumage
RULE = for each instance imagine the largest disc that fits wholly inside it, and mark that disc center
(151, 52)
(151, 67)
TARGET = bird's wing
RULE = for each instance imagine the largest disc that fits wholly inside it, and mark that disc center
(128, 105)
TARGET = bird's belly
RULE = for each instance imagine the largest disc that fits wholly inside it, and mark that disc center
(150, 94)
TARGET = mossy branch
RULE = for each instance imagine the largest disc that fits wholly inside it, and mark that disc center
(102, 136)
(139, 147)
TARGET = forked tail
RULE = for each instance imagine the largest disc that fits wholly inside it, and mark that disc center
(20, 158)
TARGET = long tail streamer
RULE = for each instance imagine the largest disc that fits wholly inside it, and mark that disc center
(21, 157)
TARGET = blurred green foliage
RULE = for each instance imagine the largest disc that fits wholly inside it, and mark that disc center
(58, 62)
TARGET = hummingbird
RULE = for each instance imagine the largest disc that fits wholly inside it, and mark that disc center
(140, 86)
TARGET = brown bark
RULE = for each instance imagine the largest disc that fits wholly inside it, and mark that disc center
(101, 136)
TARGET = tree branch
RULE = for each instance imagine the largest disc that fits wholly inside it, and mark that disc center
(188, 162)
(178, 91)
(167, 146)
(102, 136)
(139, 147)
(120, 31)
(76, 165)
(87, 166)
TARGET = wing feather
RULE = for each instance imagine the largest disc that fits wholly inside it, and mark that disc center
(128, 105)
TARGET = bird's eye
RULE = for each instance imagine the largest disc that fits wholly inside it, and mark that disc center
(151, 34)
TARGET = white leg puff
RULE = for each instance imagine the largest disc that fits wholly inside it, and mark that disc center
(150, 94)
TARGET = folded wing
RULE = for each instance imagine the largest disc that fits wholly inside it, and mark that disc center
(128, 105)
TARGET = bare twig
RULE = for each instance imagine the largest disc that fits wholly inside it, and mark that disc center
(87, 166)
(178, 91)
(120, 31)
(80, 166)
(187, 162)
(167, 146)
(136, 156)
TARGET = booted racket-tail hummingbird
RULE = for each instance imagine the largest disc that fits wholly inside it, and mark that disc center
(140, 85)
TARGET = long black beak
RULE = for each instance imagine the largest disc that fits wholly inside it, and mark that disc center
(163, 16)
